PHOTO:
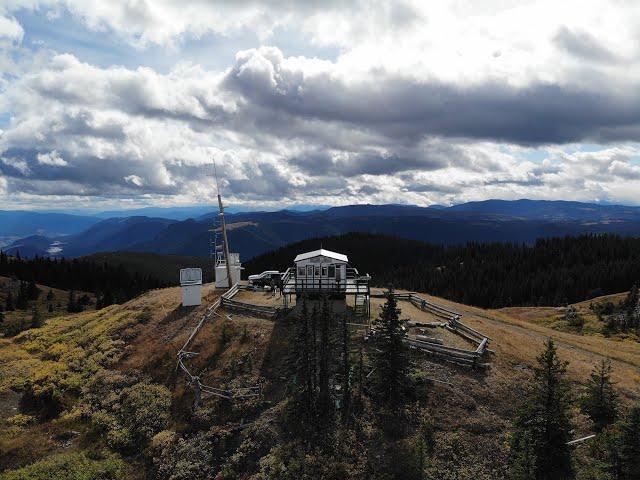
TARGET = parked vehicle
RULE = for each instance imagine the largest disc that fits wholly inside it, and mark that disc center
(264, 278)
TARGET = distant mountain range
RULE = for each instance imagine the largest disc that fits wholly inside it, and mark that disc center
(20, 223)
(252, 233)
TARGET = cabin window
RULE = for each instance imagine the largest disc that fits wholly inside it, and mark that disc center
(301, 271)
(324, 271)
(317, 270)
(309, 270)
(332, 271)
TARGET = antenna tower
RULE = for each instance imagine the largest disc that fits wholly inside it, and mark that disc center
(221, 246)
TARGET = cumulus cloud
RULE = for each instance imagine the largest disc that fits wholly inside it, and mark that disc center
(52, 158)
(400, 106)
(421, 103)
(10, 29)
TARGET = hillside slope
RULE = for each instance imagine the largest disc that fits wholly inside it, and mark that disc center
(70, 368)
(164, 268)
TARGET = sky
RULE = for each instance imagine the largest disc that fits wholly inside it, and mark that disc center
(124, 104)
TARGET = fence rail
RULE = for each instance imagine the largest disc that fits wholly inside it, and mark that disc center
(472, 358)
(199, 388)
(260, 310)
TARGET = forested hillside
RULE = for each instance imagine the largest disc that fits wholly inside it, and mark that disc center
(552, 271)
(164, 268)
(111, 283)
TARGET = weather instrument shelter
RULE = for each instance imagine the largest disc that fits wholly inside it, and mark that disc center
(323, 272)
(191, 283)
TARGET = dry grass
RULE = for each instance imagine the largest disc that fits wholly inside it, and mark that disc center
(517, 343)
(144, 335)
(260, 297)
(58, 303)
(553, 317)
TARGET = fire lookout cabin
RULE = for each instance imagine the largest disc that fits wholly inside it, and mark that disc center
(326, 273)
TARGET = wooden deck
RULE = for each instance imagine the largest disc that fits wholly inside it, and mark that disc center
(350, 286)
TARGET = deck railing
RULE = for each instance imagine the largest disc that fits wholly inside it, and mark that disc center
(353, 283)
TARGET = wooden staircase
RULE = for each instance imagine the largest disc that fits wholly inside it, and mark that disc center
(361, 307)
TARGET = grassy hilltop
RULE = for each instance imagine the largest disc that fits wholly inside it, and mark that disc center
(99, 395)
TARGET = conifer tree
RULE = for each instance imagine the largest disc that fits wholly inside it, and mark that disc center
(600, 402)
(32, 290)
(71, 302)
(539, 447)
(346, 369)
(22, 301)
(1, 318)
(302, 364)
(631, 300)
(9, 306)
(629, 446)
(357, 379)
(390, 355)
(324, 406)
(36, 317)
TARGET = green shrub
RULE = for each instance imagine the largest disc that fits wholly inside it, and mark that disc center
(128, 411)
(145, 316)
(69, 466)
(121, 439)
(573, 318)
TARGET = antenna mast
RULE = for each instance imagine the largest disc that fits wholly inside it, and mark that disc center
(223, 225)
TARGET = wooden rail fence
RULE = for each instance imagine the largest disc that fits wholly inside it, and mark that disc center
(459, 356)
(227, 302)
(199, 388)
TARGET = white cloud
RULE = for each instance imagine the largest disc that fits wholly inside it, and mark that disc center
(134, 180)
(10, 29)
(427, 102)
(52, 158)
(17, 164)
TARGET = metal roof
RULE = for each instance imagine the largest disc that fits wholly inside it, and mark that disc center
(321, 252)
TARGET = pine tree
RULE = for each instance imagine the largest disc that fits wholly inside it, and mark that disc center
(629, 446)
(600, 402)
(1, 318)
(390, 356)
(325, 354)
(631, 300)
(539, 447)
(346, 369)
(36, 318)
(424, 447)
(50, 308)
(107, 298)
(302, 360)
(9, 306)
(71, 302)
(22, 301)
(32, 291)
(50, 295)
